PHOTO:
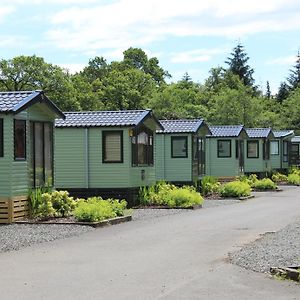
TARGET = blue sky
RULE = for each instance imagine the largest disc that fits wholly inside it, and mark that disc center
(186, 36)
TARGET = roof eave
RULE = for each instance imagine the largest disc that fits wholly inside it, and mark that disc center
(35, 97)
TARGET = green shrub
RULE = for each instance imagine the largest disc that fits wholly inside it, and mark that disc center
(251, 179)
(168, 194)
(294, 178)
(96, 209)
(209, 185)
(264, 184)
(278, 177)
(62, 203)
(35, 199)
(294, 170)
(235, 189)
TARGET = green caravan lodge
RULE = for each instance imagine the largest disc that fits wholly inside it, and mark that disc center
(105, 153)
(225, 151)
(257, 158)
(279, 150)
(180, 151)
(26, 149)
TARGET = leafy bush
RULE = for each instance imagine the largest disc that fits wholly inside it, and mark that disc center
(50, 204)
(251, 179)
(35, 199)
(209, 185)
(294, 170)
(264, 184)
(235, 189)
(96, 209)
(168, 194)
(278, 177)
(294, 179)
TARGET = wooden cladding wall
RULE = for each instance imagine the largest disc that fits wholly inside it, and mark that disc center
(13, 209)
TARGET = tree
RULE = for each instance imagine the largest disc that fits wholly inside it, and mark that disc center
(283, 92)
(238, 65)
(268, 91)
(97, 68)
(291, 110)
(294, 78)
(138, 59)
(33, 73)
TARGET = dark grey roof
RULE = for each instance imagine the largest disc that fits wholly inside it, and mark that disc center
(226, 130)
(296, 139)
(103, 118)
(181, 126)
(14, 102)
(258, 132)
(283, 133)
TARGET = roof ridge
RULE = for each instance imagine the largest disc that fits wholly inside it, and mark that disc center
(105, 111)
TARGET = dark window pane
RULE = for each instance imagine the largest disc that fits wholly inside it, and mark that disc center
(224, 148)
(179, 147)
(112, 146)
(20, 139)
(252, 149)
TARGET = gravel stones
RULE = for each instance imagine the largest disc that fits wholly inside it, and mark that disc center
(275, 249)
(16, 236)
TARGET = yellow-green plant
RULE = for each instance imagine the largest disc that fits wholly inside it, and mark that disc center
(169, 195)
(294, 178)
(278, 177)
(96, 209)
(235, 189)
(264, 184)
(210, 185)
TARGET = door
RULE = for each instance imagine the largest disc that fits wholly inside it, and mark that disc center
(240, 154)
(294, 154)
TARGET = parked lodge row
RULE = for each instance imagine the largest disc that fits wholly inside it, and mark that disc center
(113, 153)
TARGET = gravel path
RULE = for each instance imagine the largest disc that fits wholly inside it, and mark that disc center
(278, 249)
(16, 236)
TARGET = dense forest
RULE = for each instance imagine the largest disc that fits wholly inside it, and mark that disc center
(228, 96)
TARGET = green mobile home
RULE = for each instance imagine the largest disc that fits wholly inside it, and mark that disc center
(257, 151)
(105, 153)
(26, 149)
(180, 150)
(279, 150)
(294, 151)
(225, 150)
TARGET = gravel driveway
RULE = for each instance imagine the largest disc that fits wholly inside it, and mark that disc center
(274, 249)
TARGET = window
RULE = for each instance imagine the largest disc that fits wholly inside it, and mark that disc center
(41, 134)
(224, 148)
(1, 138)
(252, 149)
(179, 147)
(20, 139)
(285, 155)
(112, 146)
(142, 147)
(274, 146)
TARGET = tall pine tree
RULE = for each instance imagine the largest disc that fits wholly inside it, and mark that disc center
(294, 78)
(237, 63)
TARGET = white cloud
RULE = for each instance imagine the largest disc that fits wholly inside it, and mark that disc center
(5, 11)
(124, 23)
(284, 60)
(73, 68)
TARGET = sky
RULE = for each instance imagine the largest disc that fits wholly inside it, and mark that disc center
(190, 36)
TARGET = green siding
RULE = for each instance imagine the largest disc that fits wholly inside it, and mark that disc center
(6, 160)
(15, 175)
(220, 166)
(257, 165)
(172, 169)
(75, 168)
(275, 160)
(107, 175)
(40, 112)
(69, 158)
(160, 157)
